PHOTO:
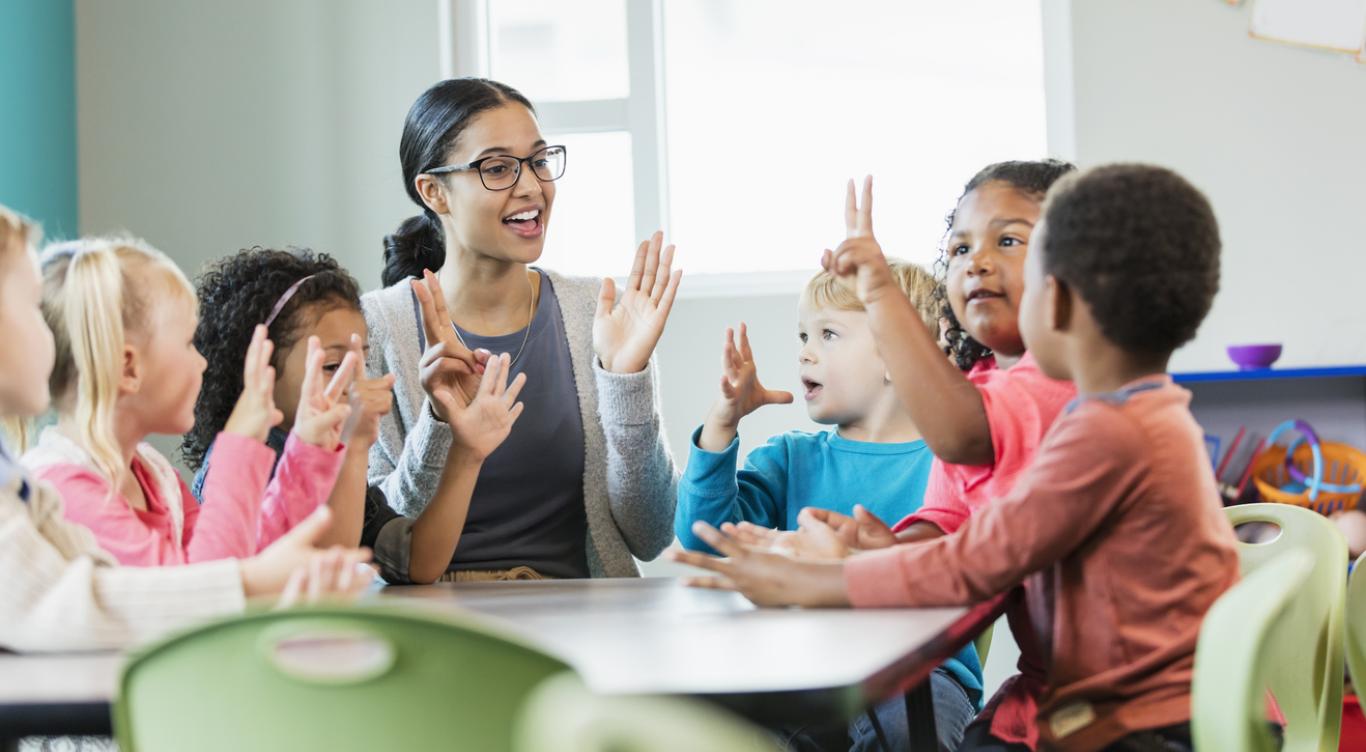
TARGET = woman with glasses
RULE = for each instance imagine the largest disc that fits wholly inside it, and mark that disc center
(585, 480)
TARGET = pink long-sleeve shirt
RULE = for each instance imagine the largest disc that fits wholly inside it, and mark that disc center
(244, 510)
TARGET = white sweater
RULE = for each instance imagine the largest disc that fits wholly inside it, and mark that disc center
(59, 591)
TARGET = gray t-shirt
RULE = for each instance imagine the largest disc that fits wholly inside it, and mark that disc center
(528, 507)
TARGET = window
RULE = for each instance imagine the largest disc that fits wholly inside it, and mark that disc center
(769, 106)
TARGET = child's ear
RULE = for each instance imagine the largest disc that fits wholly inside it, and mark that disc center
(433, 193)
(130, 379)
(1059, 304)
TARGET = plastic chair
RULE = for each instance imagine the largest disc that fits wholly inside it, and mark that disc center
(983, 644)
(359, 678)
(1356, 626)
(562, 715)
(1307, 681)
(1246, 638)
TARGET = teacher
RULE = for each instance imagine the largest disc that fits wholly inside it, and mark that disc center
(585, 480)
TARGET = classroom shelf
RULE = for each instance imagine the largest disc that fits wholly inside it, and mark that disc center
(1271, 374)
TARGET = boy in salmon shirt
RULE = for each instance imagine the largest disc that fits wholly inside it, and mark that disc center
(1116, 530)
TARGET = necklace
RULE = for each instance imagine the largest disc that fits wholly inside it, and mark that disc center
(530, 313)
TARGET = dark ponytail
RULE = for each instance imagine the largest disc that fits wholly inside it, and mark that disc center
(1033, 178)
(434, 123)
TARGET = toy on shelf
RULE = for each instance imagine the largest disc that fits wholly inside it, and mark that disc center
(1325, 476)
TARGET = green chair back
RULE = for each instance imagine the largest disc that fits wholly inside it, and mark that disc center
(362, 678)
(1307, 681)
(562, 715)
(983, 644)
(1246, 634)
(1356, 626)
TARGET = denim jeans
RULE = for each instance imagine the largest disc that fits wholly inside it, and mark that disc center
(952, 713)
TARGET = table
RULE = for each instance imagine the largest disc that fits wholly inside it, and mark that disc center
(625, 636)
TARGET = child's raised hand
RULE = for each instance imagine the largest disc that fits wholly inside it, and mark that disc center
(482, 425)
(858, 262)
(741, 391)
(372, 398)
(255, 413)
(447, 364)
(324, 409)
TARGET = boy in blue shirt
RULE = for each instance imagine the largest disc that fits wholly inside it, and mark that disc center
(874, 457)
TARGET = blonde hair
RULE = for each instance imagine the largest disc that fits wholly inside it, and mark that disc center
(95, 293)
(17, 235)
(825, 291)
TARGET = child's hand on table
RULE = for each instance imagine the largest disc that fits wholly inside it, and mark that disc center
(764, 577)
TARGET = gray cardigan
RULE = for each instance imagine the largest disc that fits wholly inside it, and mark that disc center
(630, 483)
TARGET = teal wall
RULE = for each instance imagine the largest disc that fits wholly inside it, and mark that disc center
(38, 112)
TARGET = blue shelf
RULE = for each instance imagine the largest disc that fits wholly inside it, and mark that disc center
(1272, 374)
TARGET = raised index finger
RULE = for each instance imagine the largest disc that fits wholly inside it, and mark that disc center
(850, 210)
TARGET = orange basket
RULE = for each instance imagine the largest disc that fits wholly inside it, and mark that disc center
(1343, 465)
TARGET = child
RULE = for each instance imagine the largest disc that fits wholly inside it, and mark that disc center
(303, 295)
(1118, 523)
(875, 454)
(123, 316)
(60, 592)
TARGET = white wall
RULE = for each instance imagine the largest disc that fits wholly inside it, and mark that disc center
(1275, 135)
(207, 127)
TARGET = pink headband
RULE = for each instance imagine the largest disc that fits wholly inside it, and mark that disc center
(284, 299)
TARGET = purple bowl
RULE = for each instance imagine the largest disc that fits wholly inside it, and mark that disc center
(1253, 357)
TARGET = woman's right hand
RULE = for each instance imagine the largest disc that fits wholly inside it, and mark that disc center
(485, 422)
(447, 365)
(255, 413)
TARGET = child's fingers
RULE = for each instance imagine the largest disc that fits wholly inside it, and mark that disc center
(647, 277)
(778, 397)
(515, 388)
(711, 583)
(745, 351)
(850, 210)
(315, 576)
(293, 586)
(718, 540)
(341, 380)
(313, 369)
(249, 364)
(335, 415)
(728, 389)
(865, 212)
(701, 561)
(828, 260)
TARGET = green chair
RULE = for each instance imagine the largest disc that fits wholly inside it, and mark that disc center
(1307, 682)
(1356, 626)
(983, 644)
(362, 678)
(563, 716)
(1247, 637)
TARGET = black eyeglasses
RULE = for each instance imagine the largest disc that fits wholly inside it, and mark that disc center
(501, 172)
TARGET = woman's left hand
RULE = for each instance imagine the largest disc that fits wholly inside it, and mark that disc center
(626, 330)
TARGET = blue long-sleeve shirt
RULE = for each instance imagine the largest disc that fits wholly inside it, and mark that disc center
(799, 469)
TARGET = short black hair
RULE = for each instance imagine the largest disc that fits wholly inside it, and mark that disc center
(235, 294)
(1140, 244)
(1032, 177)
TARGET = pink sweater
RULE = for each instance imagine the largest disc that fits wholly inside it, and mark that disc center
(243, 510)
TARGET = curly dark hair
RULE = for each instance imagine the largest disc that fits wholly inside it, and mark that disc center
(1140, 245)
(1033, 178)
(235, 294)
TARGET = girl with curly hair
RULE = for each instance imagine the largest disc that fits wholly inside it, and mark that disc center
(306, 297)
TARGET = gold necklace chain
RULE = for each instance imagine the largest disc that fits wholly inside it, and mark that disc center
(530, 313)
